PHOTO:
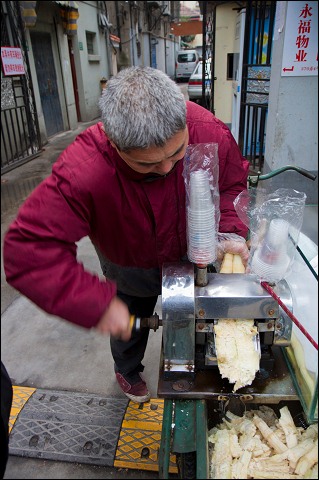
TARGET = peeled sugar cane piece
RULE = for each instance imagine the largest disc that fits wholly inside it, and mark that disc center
(232, 263)
(221, 459)
(287, 424)
(300, 450)
(308, 460)
(312, 472)
(261, 448)
(254, 445)
(293, 454)
(227, 263)
(234, 446)
(235, 419)
(310, 432)
(253, 473)
(247, 427)
(280, 433)
(270, 436)
(240, 467)
(238, 266)
(266, 465)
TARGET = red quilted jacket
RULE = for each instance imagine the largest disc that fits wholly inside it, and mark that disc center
(135, 225)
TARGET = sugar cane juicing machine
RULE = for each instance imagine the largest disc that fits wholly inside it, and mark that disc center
(195, 302)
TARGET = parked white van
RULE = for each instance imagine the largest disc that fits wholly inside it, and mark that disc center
(186, 61)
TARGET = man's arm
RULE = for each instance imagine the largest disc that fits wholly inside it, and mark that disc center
(40, 255)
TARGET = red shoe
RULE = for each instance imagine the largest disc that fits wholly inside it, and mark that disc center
(133, 387)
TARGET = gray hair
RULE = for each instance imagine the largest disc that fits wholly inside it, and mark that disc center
(142, 107)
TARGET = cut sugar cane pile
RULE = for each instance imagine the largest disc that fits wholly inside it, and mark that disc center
(261, 445)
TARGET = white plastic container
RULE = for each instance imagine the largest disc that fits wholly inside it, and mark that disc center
(201, 229)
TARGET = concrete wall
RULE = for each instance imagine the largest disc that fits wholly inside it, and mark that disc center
(165, 54)
(171, 48)
(132, 25)
(225, 37)
(292, 125)
(90, 69)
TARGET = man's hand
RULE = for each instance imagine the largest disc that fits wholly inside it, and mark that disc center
(235, 247)
(116, 320)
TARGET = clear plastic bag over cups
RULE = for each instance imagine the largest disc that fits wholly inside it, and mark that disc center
(275, 220)
(202, 202)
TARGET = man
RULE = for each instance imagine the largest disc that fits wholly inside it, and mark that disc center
(120, 183)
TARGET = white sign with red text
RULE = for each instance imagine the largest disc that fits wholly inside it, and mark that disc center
(12, 61)
(300, 54)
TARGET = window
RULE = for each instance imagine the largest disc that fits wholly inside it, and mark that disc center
(91, 43)
(92, 49)
(186, 58)
(230, 66)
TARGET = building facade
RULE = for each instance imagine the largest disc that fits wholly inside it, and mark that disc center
(69, 50)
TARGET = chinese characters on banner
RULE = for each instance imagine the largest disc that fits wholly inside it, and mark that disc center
(300, 54)
(12, 61)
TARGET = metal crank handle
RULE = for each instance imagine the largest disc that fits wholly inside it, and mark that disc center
(152, 322)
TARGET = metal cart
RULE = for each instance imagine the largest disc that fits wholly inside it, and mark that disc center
(195, 396)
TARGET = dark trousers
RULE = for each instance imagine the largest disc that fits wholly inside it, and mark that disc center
(128, 356)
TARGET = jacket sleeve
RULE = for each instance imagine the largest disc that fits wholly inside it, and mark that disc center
(233, 173)
(204, 127)
(40, 253)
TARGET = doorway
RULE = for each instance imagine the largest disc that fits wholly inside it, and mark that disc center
(256, 71)
(47, 81)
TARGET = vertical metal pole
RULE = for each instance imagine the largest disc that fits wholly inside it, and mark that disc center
(118, 27)
(204, 56)
(165, 446)
(202, 460)
(201, 279)
(132, 36)
(27, 85)
(184, 435)
(212, 106)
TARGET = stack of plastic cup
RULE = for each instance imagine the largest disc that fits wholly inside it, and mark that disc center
(270, 261)
(201, 220)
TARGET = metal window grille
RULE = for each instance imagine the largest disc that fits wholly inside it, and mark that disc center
(20, 133)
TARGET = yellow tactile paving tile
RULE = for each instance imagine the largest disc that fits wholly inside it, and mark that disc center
(20, 397)
(140, 437)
